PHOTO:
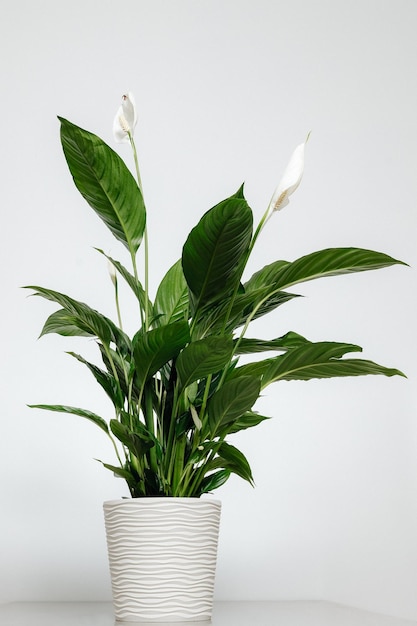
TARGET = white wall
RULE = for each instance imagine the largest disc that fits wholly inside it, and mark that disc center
(225, 90)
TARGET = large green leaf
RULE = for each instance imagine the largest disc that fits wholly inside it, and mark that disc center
(63, 323)
(134, 424)
(93, 417)
(313, 360)
(322, 368)
(328, 262)
(136, 442)
(232, 400)
(156, 347)
(171, 301)
(306, 353)
(123, 367)
(262, 302)
(226, 457)
(230, 314)
(105, 380)
(214, 254)
(233, 459)
(213, 481)
(106, 184)
(203, 357)
(88, 319)
(281, 344)
(248, 420)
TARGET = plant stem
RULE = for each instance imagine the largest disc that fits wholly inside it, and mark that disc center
(149, 421)
(205, 397)
(265, 217)
(178, 468)
(116, 296)
(146, 279)
(113, 367)
(136, 275)
(135, 157)
(116, 450)
(145, 235)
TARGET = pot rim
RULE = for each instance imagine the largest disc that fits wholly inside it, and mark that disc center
(160, 499)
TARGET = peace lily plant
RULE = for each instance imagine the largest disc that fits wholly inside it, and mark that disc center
(177, 387)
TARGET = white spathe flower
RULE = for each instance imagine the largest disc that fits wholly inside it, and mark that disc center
(112, 272)
(290, 180)
(197, 421)
(125, 120)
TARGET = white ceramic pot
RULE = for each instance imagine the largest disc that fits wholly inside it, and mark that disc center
(162, 555)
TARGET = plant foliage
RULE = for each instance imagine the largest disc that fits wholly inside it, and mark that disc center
(177, 388)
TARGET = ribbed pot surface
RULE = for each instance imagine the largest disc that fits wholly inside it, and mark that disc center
(162, 555)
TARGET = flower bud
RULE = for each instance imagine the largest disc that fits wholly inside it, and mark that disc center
(196, 419)
(112, 272)
(125, 121)
(290, 180)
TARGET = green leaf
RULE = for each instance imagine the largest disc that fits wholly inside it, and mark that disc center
(304, 355)
(137, 443)
(248, 420)
(216, 250)
(314, 360)
(121, 472)
(262, 302)
(213, 481)
(96, 419)
(97, 324)
(63, 323)
(134, 283)
(252, 304)
(281, 344)
(232, 400)
(133, 424)
(203, 357)
(235, 461)
(123, 366)
(323, 368)
(156, 347)
(105, 380)
(171, 301)
(105, 182)
(328, 262)
(88, 319)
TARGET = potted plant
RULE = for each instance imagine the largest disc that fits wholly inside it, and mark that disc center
(177, 388)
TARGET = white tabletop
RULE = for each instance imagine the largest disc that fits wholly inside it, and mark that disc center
(224, 614)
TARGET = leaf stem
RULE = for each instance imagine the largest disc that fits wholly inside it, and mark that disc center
(145, 234)
(116, 296)
(149, 421)
(205, 397)
(116, 450)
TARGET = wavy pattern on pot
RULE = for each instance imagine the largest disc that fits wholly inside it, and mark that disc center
(162, 554)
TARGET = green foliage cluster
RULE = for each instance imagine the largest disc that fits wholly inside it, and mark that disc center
(177, 387)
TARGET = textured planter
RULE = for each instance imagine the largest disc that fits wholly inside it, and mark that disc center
(162, 555)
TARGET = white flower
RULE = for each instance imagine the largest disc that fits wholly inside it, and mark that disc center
(112, 272)
(290, 180)
(196, 419)
(125, 120)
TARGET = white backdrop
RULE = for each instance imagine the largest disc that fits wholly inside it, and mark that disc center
(225, 90)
